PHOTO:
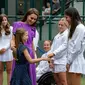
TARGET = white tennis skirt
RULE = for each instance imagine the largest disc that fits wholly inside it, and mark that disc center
(59, 68)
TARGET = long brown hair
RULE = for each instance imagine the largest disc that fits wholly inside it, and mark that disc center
(29, 12)
(18, 36)
(7, 27)
(75, 19)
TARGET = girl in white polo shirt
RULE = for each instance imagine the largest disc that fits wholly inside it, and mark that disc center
(59, 53)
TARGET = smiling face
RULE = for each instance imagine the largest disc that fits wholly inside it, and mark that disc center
(47, 45)
(31, 19)
(62, 27)
(4, 21)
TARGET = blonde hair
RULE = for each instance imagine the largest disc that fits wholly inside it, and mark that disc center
(65, 22)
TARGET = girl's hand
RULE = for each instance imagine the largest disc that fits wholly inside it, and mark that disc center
(46, 59)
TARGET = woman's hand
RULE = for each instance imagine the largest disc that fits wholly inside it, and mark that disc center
(51, 65)
(13, 43)
(3, 50)
(68, 67)
(50, 55)
(13, 48)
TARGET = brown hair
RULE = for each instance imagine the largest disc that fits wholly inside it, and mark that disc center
(75, 19)
(48, 41)
(18, 36)
(7, 27)
(29, 12)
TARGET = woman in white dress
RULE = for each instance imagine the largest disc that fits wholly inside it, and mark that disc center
(43, 66)
(5, 51)
(76, 47)
(59, 53)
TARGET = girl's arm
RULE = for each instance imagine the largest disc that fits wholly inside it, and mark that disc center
(30, 60)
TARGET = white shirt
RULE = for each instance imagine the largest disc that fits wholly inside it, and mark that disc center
(59, 48)
(76, 44)
(5, 43)
(76, 47)
(42, 68)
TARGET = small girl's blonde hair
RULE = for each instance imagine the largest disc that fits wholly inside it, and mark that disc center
(65, 22)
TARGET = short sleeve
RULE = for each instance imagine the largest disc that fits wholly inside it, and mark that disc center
(17, 25)
(23, 47)
(11, 29)
(14, 27)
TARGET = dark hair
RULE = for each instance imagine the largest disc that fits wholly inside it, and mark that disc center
(18, 36)
(7, 27)
(29, 12)
(75, 19)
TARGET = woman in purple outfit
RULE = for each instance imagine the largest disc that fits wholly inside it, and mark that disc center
(28, 23)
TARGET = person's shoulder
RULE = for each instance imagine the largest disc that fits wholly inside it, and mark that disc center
(66, 32)
(44, 55)
(22, 47)
(18, 22)
(11, 27)
(56, 35)
(80, 27)
(37, 33)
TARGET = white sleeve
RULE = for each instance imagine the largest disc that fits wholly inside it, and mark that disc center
(62, 48)
(11, 33)
(36, 39)
(77, 45)
(53, 45)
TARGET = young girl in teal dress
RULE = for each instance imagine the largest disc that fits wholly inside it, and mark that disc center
(20, 74)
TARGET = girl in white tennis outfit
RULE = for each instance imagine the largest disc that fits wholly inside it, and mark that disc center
(43, 66)
(76, 47)
(5, 51)
(59, 53)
